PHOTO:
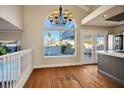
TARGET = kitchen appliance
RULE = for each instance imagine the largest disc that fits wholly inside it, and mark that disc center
(119, 42)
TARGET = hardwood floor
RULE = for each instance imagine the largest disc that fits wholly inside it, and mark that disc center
(69, 77)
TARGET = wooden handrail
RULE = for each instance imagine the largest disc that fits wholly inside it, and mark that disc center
(16, 53)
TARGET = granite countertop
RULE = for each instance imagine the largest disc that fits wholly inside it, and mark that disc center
(111, 53)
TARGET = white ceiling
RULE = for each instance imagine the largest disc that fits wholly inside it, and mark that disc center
(99, 20)
(84, 7)
(88, 8)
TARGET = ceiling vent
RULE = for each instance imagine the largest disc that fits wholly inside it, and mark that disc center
(117, 18)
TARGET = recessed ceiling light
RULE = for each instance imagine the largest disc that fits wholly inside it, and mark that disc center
(105, 16)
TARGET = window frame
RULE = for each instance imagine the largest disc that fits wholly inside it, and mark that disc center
(60, 29)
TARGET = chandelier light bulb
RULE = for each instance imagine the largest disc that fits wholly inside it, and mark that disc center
(56, 13)
(66, 12)
(70, 17)
(51, 18)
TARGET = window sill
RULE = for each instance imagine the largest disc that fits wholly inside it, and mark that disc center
(60, 56)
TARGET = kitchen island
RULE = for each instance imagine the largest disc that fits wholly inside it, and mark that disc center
(111, 64)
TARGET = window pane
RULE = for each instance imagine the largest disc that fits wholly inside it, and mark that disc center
(59, 43)
(100, 42)
(88, 48)
(68, 43)
(110, 42)
(52, 43)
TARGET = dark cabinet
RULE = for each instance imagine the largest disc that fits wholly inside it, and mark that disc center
(112, 67)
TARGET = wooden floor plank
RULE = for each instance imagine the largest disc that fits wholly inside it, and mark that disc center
(69, 77)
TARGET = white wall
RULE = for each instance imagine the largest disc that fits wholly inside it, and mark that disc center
(10, 35)
(13, 14)
(110, 30)
(33, 33)
(119, 29)
(32, 36)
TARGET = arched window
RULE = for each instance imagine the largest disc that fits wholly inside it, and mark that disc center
(59, 40)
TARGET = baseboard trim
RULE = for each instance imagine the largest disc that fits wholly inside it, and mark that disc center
(24, 79)
(111, 77)
(57, 65)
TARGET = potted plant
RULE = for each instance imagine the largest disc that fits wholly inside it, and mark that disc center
(3, 50)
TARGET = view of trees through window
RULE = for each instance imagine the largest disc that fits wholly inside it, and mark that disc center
(59, 43)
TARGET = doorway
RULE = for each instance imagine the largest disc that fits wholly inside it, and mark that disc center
(92, 41)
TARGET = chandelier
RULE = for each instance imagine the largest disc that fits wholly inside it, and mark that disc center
(60, 17)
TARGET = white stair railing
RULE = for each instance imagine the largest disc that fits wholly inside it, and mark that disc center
(14, 68)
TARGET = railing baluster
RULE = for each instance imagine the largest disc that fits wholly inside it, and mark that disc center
(5, 69)
(23, 64)
(2, 73)
(10, 71)
(16, 67)
(7, 65)
(19, 65)
(13, 70)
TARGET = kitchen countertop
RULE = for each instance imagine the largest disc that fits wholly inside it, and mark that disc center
(111, 53)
